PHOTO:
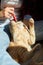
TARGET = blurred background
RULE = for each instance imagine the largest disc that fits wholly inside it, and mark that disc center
(34, 8)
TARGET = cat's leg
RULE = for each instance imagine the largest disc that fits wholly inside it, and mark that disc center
(29, 21)
(31, 31)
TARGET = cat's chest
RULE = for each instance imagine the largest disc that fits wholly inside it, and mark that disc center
(21, 34)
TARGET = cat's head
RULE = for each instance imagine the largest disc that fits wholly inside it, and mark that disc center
(16, 26)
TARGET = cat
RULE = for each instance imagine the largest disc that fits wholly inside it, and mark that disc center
(22, 39)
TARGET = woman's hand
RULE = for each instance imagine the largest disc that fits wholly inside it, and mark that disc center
(8, 11)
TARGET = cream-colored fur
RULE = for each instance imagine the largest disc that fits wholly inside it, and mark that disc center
(22, 37)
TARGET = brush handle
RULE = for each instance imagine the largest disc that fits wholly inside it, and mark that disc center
(14, 17)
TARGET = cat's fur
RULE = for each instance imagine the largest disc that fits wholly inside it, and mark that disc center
(22, 39)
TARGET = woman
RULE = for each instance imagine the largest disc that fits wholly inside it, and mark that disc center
(5, 58)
